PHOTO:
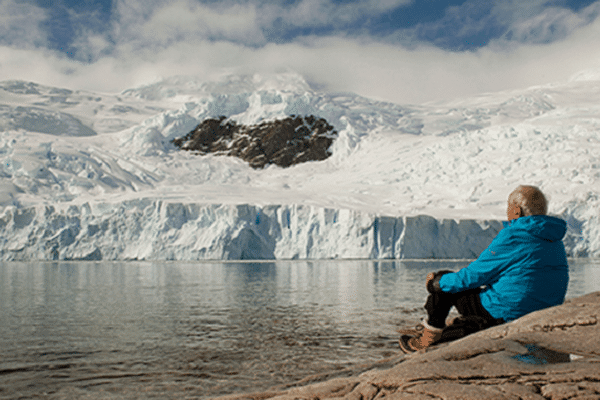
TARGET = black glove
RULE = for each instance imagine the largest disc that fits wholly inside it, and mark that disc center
(433, 285)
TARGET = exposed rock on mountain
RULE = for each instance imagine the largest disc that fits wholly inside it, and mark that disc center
(285, 142)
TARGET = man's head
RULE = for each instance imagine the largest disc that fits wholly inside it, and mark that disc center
(524, 201)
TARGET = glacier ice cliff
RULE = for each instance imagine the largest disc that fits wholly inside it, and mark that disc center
(159, 230)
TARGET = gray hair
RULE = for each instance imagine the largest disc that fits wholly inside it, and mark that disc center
(531, 200)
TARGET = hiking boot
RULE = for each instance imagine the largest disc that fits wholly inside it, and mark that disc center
(416, 330)
(430, 335)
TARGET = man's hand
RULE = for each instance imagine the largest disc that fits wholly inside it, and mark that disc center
(432, 281)
(429, 278)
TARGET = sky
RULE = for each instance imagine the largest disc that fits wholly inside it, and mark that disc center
(404, 51)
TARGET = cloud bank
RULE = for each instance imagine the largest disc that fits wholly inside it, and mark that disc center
(333, 44)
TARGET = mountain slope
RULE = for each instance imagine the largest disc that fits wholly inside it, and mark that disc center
(65, 152)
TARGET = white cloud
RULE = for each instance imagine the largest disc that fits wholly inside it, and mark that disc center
(35, 65)
(155, 39)
(544, 25)
(325, 13)
(514, 10)
(425, 74)
(160, 23)
(90, 46)
(184, 21)
(476, 23)
(20, 24)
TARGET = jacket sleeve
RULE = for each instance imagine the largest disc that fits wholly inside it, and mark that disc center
(484, 271)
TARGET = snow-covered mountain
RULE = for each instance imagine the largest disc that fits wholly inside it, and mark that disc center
(94, 175)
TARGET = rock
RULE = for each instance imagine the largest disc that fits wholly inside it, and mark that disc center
(282, 142)
(549, 354)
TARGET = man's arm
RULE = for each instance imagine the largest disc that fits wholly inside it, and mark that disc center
(483, 271)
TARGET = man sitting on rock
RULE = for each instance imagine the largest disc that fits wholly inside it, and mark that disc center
(524, 269)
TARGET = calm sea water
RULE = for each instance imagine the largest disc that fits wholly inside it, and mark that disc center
(101, 330)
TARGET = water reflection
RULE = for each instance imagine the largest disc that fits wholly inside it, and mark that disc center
(541, 356)
(203, 329)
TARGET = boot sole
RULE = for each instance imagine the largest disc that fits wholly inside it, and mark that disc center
(404, 346)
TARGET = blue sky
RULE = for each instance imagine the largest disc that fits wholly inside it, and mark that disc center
(398, 50)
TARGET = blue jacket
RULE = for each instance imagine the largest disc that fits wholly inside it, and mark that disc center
(524, 269)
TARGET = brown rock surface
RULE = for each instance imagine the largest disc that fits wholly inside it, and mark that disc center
(550, 354)
(284, 142)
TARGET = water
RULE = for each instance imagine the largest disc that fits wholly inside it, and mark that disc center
(198, 330)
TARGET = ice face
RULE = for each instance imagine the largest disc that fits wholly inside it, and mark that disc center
(157, 230)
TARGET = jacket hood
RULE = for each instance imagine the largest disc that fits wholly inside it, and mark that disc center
(540, 226)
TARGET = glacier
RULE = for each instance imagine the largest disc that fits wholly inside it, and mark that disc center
(157, 230)
(93, 176)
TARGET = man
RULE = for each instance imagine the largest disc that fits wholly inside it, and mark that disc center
(524, 269)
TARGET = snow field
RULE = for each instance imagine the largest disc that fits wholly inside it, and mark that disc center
(403, 182)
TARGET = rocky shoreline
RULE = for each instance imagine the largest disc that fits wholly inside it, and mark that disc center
(550, 354)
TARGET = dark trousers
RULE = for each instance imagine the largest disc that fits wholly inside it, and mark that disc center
(473, 317)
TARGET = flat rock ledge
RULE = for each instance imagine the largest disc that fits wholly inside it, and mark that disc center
(550, 354)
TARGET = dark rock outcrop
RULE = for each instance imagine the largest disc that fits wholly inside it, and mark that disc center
(284, 142)
(552, 354)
